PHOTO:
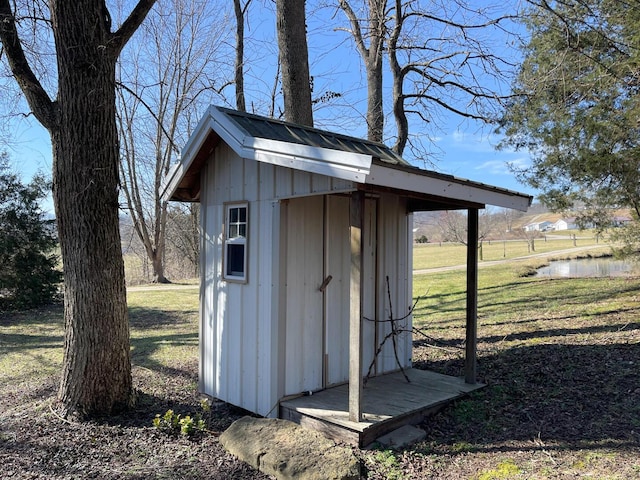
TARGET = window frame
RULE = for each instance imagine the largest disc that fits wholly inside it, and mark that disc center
(229, 242)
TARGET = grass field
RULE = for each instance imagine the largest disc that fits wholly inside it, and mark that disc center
(435, 255)
(560, 358)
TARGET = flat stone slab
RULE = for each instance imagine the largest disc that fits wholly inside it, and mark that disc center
(288, 451)
(402, 437)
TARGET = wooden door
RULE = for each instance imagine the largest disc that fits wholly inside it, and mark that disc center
(304, 300)
(337, 258)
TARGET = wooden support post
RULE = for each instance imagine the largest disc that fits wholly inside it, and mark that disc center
(355, 311)
(472, 297)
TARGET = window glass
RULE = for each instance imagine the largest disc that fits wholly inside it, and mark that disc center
(235, 251)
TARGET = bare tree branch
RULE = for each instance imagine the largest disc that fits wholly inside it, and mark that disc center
(120, 38)
(44, 109)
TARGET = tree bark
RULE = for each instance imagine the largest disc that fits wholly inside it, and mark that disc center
(397, 74)
(240, 11)
(96, 376)
(294, 58)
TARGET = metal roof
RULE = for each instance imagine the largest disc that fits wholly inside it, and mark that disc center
(272, 129)
(368, 164)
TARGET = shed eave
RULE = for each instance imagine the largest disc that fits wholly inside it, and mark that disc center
(177, 172)
(445, 186)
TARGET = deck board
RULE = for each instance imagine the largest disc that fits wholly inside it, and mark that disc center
(388, 402)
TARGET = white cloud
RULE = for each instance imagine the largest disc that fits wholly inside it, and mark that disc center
(494, 167)
(503, 167)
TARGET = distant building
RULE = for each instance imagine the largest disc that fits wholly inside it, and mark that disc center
(621, 221)
(566, 224)
(538, 226)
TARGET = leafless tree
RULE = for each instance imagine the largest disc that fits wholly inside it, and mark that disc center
(240, 10)
(167, 81)
(444, 57)
(453, 225)
(294, 61)
(369, 31)
(80, 117)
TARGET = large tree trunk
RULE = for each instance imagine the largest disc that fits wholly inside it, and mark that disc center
(96, 375)
(373, 62)
(292, 44)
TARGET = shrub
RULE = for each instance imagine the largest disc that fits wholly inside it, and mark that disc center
(28, 277)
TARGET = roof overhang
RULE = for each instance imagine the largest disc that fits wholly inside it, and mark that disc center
(370, 166)
(216, 125)
(435, 189)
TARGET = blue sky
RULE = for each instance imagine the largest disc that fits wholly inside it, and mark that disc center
(458, 147)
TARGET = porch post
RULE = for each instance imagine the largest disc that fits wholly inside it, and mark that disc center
(472, 297)
(355, 310)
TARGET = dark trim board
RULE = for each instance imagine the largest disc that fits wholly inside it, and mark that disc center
(388, 403)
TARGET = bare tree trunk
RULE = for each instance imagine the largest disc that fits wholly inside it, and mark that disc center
(372, 58)
(96, 375)
(294, 58)
(397, 74)
(375, 113)
(240, 12)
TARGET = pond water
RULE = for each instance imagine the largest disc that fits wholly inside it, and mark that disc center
(587, 267)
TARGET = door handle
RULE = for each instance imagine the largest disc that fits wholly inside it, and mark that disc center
(325, 283)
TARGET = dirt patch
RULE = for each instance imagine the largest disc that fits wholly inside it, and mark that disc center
(36, 444)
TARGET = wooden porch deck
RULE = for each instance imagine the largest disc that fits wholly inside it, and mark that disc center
(389, 402)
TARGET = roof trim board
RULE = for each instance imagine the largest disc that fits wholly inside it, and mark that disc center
(335, 163)
(446, 186)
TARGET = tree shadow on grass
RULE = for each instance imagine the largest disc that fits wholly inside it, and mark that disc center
(162, 340)
(515, 296)
(53, 313)
(567, 394)
(561, 332)
(151, 318)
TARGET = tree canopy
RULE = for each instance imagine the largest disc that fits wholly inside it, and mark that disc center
(577, 106)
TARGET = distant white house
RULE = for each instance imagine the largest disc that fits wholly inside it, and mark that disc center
(538, 226)
(621, 220)
(566, 224)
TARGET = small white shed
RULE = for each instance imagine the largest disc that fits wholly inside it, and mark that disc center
(300, 230)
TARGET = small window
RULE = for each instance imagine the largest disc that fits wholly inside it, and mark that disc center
(235, 248)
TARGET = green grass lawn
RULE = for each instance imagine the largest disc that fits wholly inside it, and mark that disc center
(434, 255)
(164, 332)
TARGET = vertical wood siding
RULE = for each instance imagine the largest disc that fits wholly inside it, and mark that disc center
(304, 322)
(337, 264)
(394, 233)
(240, 338)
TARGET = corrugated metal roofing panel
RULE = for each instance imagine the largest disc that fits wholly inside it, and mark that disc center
(273, 129)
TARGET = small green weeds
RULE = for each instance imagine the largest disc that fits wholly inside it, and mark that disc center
(388, 464)
(504, 470)
(174, 424)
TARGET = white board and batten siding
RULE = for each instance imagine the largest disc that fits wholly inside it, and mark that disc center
(317, 322)
(241, 339)
(395, 237)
